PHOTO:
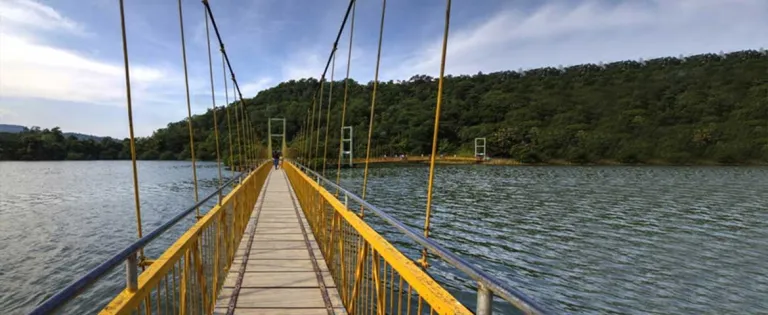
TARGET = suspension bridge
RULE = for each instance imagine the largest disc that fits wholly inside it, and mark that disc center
(287, 239)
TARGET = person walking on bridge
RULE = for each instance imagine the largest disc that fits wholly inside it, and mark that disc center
(276, 158)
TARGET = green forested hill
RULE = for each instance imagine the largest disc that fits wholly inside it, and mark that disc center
(705, 108)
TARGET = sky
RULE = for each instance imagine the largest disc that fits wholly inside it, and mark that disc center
(61, 61)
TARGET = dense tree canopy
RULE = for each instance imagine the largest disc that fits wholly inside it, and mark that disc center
(35, 145)
(705, 108)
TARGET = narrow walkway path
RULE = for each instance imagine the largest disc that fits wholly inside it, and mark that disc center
(284, 272)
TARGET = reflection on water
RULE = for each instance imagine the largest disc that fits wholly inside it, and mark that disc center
(589, 240)
(584, 240)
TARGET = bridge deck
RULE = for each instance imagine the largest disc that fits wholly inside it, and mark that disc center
(284, 273)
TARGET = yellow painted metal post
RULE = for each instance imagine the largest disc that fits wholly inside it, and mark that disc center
(216, 258)
(183, 290)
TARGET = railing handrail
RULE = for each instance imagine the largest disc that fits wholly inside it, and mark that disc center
(517, 298)
(77, 286)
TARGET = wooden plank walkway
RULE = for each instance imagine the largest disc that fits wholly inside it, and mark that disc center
(284, 271)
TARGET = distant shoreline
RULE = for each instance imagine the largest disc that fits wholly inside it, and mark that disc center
(559, 162)
(469, 161)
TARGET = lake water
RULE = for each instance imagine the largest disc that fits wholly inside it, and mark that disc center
(581, 240)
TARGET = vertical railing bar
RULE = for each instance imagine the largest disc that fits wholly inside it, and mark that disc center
(391, 289)
(409, 299)
(167, 300)
(419, 304)
(132, 273)
(157, 295)
(175, 289)
(400, 295)
(484, 300)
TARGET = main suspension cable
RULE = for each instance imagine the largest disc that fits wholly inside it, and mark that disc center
(236, 86)
(322, 77)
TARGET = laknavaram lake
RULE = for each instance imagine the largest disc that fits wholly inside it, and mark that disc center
(577, 239)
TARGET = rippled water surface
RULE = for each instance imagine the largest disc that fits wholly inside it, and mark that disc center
(581, 240)
(595, 240)
(60, 219)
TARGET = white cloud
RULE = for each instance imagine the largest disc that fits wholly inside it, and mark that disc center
(305, 64)
(31, 68)
(310, 63)
(34, 70)
(6, 115)
(251, 88)
(592, 31)
(31, 14)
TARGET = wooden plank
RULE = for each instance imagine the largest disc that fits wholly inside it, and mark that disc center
(279, 277)
(278, 265)
(280, 298)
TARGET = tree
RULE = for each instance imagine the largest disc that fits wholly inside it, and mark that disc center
(705, 108)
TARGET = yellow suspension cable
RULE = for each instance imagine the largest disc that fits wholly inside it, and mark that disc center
(243, 137)
(237, 126)
(373, 104)
(189, 107)
(328, 114)
(248, 133)
(253, 139)
(319, 115)
(430, 183)
(246, 138)
(136, 198)
(307, 136)
(243, 128)
(344, 103)
(251, 136)
(229, 120)
(311, 130)
(213, 102)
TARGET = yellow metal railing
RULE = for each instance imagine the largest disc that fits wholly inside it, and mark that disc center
(188, 276)
(371, 275)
